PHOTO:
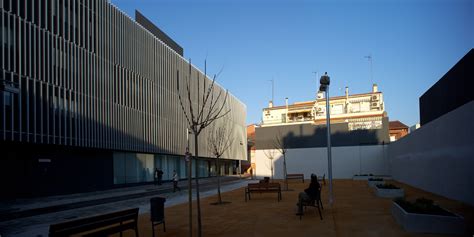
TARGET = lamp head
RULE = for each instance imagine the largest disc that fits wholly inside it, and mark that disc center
(325, 79)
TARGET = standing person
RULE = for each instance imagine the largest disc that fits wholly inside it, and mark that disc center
(175, 181)
(309, 194)
(160, 176)
(156, 175)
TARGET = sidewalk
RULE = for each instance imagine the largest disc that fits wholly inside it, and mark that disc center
(32, 217)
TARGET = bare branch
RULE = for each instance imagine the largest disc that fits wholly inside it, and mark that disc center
(188, 82)
(279, 143)
(209, 92)
(181, 100)
(220, 140)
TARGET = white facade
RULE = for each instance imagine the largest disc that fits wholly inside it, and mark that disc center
(348, 108)
(346, 161)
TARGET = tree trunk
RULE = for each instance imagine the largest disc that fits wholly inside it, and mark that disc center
(284, 171)
(196, 155)
(218, 172)
(271, 166)
(190, 194)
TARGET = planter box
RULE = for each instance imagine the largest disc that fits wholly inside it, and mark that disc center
(384, 177)
(362, 177)
(424, 223)
(372, 184)
(389, 193)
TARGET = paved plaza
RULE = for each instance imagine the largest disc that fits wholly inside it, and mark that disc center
(356, 212)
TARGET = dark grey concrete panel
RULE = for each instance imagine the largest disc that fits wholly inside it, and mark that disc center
(308, 135)
(142, 20)
(453, 90)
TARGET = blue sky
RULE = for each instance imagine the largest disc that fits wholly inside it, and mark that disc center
(413, 43)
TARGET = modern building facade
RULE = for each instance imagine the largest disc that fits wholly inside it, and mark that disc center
(89, 100)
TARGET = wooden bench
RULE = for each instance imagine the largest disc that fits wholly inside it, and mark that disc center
(263, 188)
(295, 176)
(100, 225)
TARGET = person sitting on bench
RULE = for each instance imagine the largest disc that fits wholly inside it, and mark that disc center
(309, 194)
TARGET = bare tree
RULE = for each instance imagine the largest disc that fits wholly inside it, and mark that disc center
(203, 103)
(282, 147)
(270, 154)
(219, 141)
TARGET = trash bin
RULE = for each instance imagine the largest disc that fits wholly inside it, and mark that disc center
(157, 213)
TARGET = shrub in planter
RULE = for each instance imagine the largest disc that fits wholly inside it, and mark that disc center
(388, 191)
(423, 216)
(387, 186)
(422, 206)
(362, 176)
(375, 181)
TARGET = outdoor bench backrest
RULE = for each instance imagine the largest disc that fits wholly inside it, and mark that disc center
(117, 221)
(264, 186)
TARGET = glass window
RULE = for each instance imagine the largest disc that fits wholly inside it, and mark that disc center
(6, 5)
(337, 109)
(7, 98)
(364, 106)
(29, 10)
(14, 7)
(22, 9)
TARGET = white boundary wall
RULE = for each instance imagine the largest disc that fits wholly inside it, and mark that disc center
(439, 157)
(346, 161)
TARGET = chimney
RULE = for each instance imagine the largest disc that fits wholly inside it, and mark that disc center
(286, 102)
(347, 92)
(270, 104)
(375, 88)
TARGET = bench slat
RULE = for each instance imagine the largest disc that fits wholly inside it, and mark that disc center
(295, 176)
(263, 188)
(126, 219)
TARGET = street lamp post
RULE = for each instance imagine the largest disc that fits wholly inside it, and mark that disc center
(325, 80)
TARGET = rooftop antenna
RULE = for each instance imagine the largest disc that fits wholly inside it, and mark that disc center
(369, 58)
(316, 74)
(272, 88)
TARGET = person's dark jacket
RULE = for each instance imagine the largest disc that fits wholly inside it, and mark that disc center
(313, 190)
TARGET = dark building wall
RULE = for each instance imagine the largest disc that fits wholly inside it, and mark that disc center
(308, 135)
(454, 89)
(35, 170)
(142, 20)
